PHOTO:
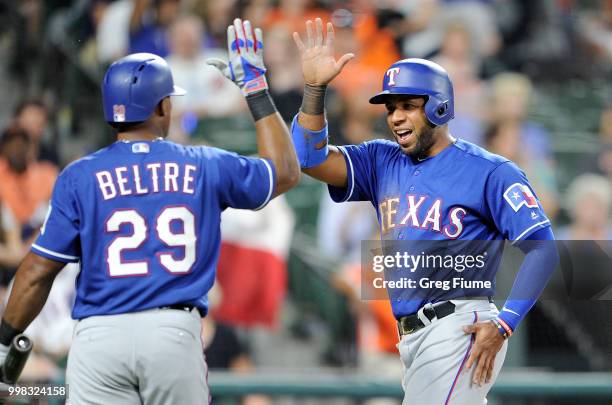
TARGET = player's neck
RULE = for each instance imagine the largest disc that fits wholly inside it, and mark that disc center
(443, 140)
(145, 134)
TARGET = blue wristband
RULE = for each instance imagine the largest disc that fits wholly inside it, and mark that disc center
(305, 143)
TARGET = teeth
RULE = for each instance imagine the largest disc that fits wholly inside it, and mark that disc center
(402, 133)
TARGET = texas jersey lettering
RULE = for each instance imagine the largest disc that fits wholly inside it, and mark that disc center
(436, 199)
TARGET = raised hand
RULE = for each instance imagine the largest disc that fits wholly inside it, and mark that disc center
(246, 67)
(319, 65)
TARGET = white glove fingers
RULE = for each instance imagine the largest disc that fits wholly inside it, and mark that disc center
(240, 35)
(232, 45)
(248, 31)
(259, 41)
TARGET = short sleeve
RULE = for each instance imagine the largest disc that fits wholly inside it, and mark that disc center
(245, 182)
(512, 203)
(360, 172)
(59, 235)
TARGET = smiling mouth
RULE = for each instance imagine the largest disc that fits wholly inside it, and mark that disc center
(403, 136)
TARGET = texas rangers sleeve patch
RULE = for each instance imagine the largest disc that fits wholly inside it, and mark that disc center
(518, 195)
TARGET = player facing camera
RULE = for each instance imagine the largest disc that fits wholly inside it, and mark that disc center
(418, 96)
(429, 186)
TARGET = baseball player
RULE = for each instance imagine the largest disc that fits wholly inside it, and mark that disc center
(142, 218)
(430, 186)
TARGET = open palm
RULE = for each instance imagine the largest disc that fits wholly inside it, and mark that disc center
(319, 66)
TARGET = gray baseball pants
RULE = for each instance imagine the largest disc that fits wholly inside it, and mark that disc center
(151, 357)
(434, 358)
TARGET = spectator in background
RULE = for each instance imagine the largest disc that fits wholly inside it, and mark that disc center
(149, 25)
(252, 267)
(113, 34)
(294, 13)
(32, 116)
(589, 203)
(587, 240)
(505, 138)
(374, 51)
(285, 76)
(477, 15)
(511, 94)
(208, 92)
(404, 18)
(217, 16)
(457, 57)
(595, 28)
(25, 184)
(376, 42)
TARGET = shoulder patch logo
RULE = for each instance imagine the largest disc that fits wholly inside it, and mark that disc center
(518, 195)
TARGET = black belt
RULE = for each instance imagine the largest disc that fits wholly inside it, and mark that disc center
(411, 323)
(182, 307)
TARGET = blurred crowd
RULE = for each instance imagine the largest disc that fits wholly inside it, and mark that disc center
(531, 79)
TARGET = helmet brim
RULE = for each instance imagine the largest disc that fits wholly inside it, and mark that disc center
(178, 91)
(382, 97)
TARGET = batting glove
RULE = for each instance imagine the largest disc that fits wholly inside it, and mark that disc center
(246, 67)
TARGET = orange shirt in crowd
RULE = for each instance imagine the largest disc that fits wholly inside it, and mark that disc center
(296, 22)
(24, 193)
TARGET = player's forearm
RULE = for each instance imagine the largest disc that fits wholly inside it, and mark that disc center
(541, 259)
(312, 111)
(309, 132)
(33, 282)
(274, 141)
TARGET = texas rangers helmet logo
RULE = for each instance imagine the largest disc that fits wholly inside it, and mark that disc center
(118, 113)
(518, 195)
(391, 74)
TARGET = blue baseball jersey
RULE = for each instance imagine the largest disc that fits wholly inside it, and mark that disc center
(464, 193)
(143, 218)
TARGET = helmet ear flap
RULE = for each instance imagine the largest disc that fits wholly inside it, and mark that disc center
(442, 109)
(437, 111)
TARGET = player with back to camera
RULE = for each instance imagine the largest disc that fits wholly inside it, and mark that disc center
(428, 185)
(142, 217)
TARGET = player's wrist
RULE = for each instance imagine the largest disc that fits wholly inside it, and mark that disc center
(261, 104)
(255, 86)
(502, 328)
(7, 333)
(313, 102)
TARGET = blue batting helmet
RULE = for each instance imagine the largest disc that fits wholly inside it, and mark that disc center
(134, 85)
(421, 77)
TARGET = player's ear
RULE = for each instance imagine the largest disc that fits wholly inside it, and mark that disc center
(164, 107)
